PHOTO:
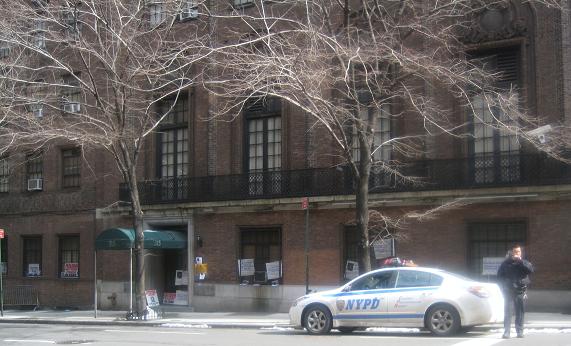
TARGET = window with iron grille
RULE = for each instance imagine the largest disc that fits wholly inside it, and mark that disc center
(495, 150)
(157, 13)
(71, 23)
(4, 49)
(34, 166)
(173, 142)
(264, 146)
(492, 240)
(263, 246)
(39, 33)
(4, 257)
(71, 164)
(243, 3)
(71, 94)
(68, 256)
(32, 252)
(4, 175)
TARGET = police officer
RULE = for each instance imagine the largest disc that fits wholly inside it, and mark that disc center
(513, 276)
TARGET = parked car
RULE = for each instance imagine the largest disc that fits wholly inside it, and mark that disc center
(440, 301)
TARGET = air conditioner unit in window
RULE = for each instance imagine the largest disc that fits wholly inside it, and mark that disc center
(71, 107)
(189, 13)
(35, 184)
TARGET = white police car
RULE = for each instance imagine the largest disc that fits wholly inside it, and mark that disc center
(440, 301)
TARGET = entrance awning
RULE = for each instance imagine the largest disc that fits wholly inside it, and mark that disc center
(124, 239)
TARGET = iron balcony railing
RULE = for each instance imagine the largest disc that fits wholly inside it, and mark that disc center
(474, 172)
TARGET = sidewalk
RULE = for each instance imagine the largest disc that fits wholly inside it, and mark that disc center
(216, 319)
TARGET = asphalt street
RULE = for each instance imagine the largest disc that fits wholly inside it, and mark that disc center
(57, 334)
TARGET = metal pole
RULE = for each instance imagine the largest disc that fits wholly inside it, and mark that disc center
(1, 288)
(306, 249)
(130, 280)
(95, 283)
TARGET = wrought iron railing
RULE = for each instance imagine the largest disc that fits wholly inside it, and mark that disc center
(475, 172)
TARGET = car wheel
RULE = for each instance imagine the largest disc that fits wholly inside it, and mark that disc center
(443, 320)
(346, 330)
(317, 320)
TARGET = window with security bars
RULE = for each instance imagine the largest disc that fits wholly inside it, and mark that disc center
(4, 49)
(38, 33)
(71, 23)
(4, 175)
(157, 13)
(492, 240)
(34, 169)
(68, 256)
(243, 3)
(264, 146)
(495, 151)
(263, 246)
(32, 256)
(71, 167)
(173, 148)
(71, 94)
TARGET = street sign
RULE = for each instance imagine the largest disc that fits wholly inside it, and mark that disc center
(304, 203)
(1, 233)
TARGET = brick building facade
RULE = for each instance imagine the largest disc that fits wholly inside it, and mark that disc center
(230, 213)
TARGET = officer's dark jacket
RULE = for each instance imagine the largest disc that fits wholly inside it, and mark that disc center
(513, 275)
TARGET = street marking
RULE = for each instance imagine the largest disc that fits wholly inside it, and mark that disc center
(149, 331)
(34, 341)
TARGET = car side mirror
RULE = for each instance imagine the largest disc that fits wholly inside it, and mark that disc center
(346, 288)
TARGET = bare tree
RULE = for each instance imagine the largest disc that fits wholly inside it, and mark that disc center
(90, 72)
(354, 66)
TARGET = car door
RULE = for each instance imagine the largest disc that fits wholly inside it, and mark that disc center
(413, 293)
(364, 303)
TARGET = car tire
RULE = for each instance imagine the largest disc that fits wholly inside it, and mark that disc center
(346, 330)
(443, 320)
(317, 320)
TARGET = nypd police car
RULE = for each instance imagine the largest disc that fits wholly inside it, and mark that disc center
(417, 297)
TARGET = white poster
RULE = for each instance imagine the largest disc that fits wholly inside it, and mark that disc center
(383, 248)
(351, 270)
(274, 270)
(152, 298)
(246, 267)
(490, 265)
(181, 278)
(34, 269)
(181, 297)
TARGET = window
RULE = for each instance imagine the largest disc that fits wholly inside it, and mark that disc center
(32, 251)
(243, 3)
(4, 257)
(71, 23)
(4, 175)
(34, 171)
(4, 49)
(264, 146)
(495, 151)
(39, 33)
(71, 163)
(157, 13)
(414, 278)
(189, 9)
(263, 246)
(382, 280)
(492, 240)
(71, 94)
(173, 148)
(69, 256)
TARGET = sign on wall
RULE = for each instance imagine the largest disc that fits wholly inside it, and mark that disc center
(70, 270)
(246, 267)
(274, 270)
(490, 265)
(351, 270)
(34, 269)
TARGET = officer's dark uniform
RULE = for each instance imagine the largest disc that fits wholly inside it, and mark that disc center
(513, 276)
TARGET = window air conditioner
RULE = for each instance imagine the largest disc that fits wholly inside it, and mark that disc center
(35, 184)
(71, 107)
(189, 13)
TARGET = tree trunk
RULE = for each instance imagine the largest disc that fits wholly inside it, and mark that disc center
(362, 200)
(140, 300)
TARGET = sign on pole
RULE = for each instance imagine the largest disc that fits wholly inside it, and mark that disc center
(304, 203)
